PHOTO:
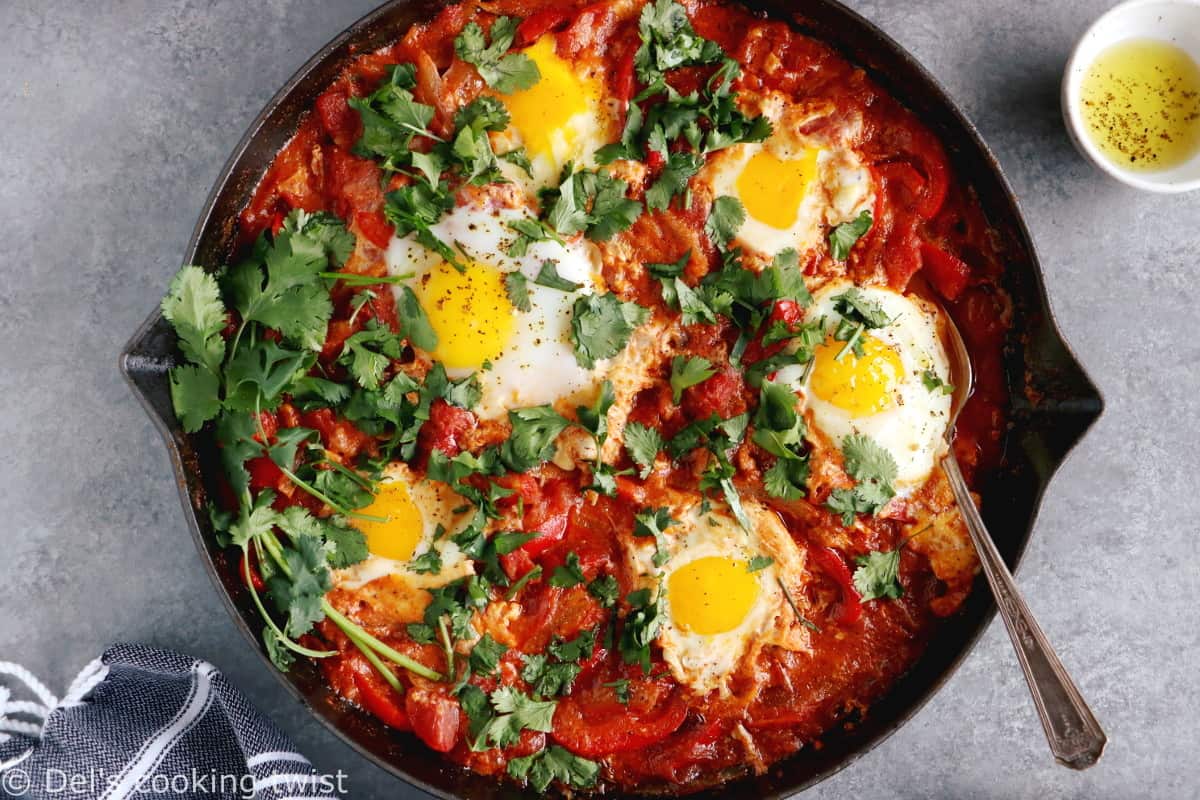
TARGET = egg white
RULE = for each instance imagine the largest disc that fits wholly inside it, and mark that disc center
(441, 509)
(707, 662)
(913, 428)
(538, 364)
(841, 189)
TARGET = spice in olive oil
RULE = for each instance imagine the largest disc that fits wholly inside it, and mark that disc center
(1141, 104)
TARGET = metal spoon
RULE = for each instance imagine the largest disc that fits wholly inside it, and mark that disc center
(1075, 736)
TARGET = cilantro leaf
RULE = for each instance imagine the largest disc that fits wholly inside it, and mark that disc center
(934, 383)
(195, 395)
(687, 372)
(878, 575)
(778, 427)
(485, 656)
(505, 72)
(758, 563)
(299, 595)
(568, 574)
(874, 469)
(724, 220)
(601, 325)
(532, 440)
(604, 589)
(516, 286)
(673, 180)
(787, 479)
(867, 461)
(547, 679)
(857, 309)
(428, 563)
(581, 648)
(368, 353)
(548, 276)
(528, 231)
(554, 763)
(193, 307)
(413, 322)
(594, 418)
(591, 202)
(516, 712)
(465, 393)
(653, 523)
(669, 41)
(643, 444)
(640, 628)
(843, 236)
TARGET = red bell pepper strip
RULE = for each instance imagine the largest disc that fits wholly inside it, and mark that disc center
(832, 564)
(947, 273)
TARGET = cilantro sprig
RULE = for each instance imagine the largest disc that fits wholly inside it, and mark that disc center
(503, 71)
(875, 471)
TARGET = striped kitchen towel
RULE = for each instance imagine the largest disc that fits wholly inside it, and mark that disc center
(140, 722)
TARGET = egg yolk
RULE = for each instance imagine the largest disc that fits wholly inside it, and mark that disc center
(469, 311)
(861, 386)
(397, 538)
(541, 112)
(711, 595)
(772, 188)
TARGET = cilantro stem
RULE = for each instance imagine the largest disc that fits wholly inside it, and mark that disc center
(353, 630)
(283, 638)
(447, 646)
(355, 279)
(351, 474)
(379, 666)
(849, 345)
(516, 588)
(805, 621)
(338, 507)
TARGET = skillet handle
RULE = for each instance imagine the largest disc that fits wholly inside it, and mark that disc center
(1075, 736)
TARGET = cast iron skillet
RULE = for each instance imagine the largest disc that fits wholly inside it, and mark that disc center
(1039, 365)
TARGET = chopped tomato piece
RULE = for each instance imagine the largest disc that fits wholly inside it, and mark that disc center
(723, 394)
(549, 515)
(374, 226)
(435, 718)
(376, 695)
(341, 122)
(538, 23)
(264, 473)
(445, 426)
(592, 723)
(947, 273)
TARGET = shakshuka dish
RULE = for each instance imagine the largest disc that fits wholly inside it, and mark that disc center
(581, 386)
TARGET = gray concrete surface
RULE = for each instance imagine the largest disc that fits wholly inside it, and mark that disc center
(115, 118)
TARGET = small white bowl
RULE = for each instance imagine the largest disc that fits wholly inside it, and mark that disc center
(1173, 21)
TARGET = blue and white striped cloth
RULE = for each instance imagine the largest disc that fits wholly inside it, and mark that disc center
(140, 722)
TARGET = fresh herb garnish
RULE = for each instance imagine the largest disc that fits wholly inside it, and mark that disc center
(643, 445)
(503, 71)
(688, 371)
(601, 325)
(843, 236)
(874, 469)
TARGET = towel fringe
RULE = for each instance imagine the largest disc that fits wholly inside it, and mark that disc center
(38, 712)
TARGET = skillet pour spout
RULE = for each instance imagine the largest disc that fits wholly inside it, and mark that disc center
(1053, 402)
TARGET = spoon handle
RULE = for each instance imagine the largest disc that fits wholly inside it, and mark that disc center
(1075, 736)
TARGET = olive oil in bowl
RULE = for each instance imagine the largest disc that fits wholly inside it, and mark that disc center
(1140, 100)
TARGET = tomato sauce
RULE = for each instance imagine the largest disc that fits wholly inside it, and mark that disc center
(925, 222)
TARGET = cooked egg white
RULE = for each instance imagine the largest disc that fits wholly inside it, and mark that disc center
(794, 186)
(561, 118)
(717, 613)
(416, 516)
(882, 394)
(521, 357)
